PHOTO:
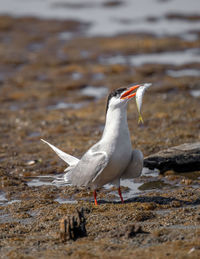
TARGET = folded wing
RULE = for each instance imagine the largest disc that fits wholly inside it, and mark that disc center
(135, 166)
(86, 171)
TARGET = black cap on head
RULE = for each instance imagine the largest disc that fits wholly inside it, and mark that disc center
(116, 93)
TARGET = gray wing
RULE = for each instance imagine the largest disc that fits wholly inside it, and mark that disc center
(90, 165)
(135, 166)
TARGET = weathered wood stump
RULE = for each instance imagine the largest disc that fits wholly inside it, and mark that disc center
(182, 158)
(73, 227)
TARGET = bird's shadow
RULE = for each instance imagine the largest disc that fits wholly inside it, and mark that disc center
(156, 199)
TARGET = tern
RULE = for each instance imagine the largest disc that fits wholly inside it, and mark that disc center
(112, 157)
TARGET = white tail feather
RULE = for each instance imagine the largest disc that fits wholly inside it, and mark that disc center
(70, 160)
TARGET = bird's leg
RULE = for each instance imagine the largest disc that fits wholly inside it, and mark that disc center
(120, 195)
(95, 197)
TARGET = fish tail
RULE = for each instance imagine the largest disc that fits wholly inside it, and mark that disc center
(140, 120)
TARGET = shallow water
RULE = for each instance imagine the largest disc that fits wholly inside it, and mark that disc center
(42, 180)
(2, 198)
(65, 105)
(129, 16)
(172, 57)
(179, 226)
(184, 72)
(133, 188)
(76, 76)
(195, 93)
(149, 181)
(65, 201)
(34, 134)
(169, 57)
(4, 201)
(96, 92)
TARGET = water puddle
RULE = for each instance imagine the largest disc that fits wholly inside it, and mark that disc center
(131, 188)
(8, 218)
(184, 72)
(98, 76)
(185, 227)
(42, 180)
(65, 201)
(3, 198)
(85, 54)
(118, 59)
(89, 91)
(195, 93)
(150, 180)
(76, 76)
(189, 36)
(65, 35)
(2, 158)
(4, 201)
(95, 92)
(14, 107)
(34, 134)
(129, 192)
(36, 46)
(65, 105)
(147, 182)
(152, 185)
(171, 57)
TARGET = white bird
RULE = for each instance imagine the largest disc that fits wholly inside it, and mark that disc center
(112, 157)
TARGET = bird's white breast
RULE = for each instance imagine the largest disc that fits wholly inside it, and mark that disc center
(117, 144)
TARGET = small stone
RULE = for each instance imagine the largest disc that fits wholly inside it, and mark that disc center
(31, 162)
(186, 181)
(193, 249)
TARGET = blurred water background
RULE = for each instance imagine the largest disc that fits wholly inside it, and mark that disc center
(159, 17)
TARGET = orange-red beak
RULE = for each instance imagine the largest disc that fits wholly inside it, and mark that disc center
(128, 94)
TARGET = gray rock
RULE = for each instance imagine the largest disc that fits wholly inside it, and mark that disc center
(182, 158)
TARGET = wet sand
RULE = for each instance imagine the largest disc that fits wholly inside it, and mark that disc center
(47, 83)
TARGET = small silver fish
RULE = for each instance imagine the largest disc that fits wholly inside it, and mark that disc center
(139, 96)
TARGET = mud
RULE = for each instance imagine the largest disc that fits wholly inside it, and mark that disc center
(41, 66)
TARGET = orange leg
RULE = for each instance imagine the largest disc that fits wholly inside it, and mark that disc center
(120, 195)
(95, 197)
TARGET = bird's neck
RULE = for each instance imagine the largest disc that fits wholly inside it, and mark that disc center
(116, 125)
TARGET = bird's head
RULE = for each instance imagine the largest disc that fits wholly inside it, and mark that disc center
(119, 98)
